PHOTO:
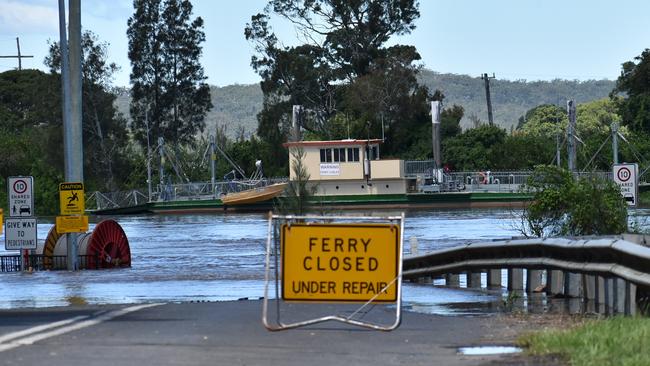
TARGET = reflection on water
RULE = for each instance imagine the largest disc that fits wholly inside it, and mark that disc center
(221, 257)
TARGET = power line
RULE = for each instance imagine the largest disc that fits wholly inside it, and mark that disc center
(19, 56)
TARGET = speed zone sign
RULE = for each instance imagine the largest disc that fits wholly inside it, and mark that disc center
(626, 177)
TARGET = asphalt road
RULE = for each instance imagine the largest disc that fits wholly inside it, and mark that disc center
(229, 333)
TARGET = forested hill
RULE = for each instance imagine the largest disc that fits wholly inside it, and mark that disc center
(510, 99)
(236, 106)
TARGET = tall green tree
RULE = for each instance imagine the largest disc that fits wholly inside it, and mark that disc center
(105, 130)
(169, 95)
(350, 82)
(634, 83)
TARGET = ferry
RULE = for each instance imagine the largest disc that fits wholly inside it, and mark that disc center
(345, 174)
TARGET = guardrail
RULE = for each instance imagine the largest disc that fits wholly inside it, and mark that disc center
(613, 272)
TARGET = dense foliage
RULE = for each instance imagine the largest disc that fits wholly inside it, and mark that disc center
(351, 83)
(169, 96)
(106, 144)
(564, 205)
(634, 83)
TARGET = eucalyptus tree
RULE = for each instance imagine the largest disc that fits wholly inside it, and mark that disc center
(343, 72)
(634, 84)
(104, 128)
(169, 95)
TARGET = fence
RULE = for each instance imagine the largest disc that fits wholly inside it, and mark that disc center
(38, 262)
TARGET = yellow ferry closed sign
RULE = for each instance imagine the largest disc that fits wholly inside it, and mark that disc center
(340, 262)
(71, 198)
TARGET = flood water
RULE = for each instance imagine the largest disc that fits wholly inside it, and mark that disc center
(217, 257)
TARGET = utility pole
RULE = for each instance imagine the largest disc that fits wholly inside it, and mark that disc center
(487, 78)
(615, 141)
(296, 120)
(571, 131)
(19, 56)
(436, 108)
(557, 149)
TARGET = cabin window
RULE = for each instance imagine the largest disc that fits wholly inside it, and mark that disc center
(339, 155)
(353, 154)
(374, 152)
(325, 155)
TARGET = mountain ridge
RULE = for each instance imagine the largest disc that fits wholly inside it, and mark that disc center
(235, 107)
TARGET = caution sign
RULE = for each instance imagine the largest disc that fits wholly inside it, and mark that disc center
(340, 262)
(71, 198)
(71, 224)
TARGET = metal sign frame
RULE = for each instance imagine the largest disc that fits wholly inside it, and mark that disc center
(274, 250)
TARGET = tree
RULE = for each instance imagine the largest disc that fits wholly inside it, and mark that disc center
(474, 148)
(104, 129)
(634, 83)
(564, 205)
(344, 75)
(169, 95)
(30, 120)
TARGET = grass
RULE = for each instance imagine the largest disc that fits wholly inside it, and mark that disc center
(620, 341)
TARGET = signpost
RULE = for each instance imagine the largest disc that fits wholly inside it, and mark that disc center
(21, 199)
(627, 178)
(20, 226)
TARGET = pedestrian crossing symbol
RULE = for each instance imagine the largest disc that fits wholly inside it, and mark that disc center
(71, 198)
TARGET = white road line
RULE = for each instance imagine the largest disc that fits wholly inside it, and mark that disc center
(76, 326)
(40, 328)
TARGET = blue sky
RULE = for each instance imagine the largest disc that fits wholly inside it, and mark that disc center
(515, 39)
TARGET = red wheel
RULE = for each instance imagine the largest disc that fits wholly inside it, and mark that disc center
(108, 246)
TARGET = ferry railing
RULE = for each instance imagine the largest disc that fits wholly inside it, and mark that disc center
(208, 190)
(102, 201)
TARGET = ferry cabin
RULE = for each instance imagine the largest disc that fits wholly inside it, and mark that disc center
(349, 167)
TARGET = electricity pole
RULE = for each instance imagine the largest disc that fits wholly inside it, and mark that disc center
(19, 56)
(571, 131)
(487, 78)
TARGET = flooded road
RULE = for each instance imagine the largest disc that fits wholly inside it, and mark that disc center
(180, 258)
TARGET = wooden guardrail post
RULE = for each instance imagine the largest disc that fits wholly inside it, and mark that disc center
(452, 280)
(494, 278)
(515, 279)
(601, 302)
(619, 295)
(572, 284)
(554, 282)
(474, 279)
(630, 298)
(533, 280)
(609, 295)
